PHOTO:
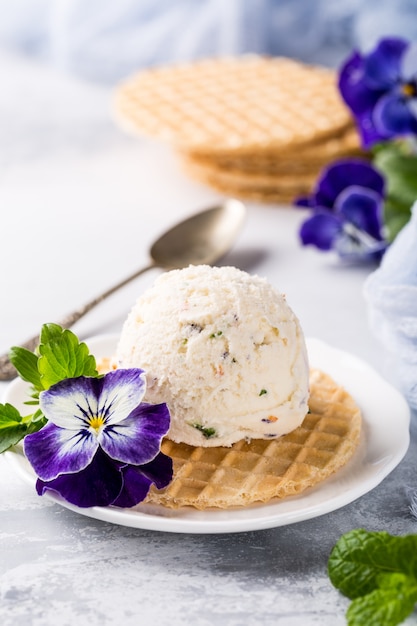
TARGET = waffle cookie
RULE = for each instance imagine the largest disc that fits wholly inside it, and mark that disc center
(270, 175)
(260, 470)
(242, 117)
(279, 191)
(234, 105)
(222, 178)
(313, 156)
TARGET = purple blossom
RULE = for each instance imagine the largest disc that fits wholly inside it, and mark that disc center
(380, 88)
(346, 207)
(101, 444)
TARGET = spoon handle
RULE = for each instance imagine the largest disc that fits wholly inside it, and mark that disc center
(7, 369)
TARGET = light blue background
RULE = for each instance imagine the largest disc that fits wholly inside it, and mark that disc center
(105, 40)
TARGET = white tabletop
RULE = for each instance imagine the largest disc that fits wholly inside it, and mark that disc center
(81, 203)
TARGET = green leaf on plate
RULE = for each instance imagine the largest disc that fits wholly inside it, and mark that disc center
(26, 363)
(62, 356)
(12, 427)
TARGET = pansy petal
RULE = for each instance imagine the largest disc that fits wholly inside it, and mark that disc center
(383, 64)
(138, 480)
(135, 487)
(73, 401)
(343, 173)
(320, 230)
(409, 63)
(353, 87)
(369, 133)
(349, 249)
(69, 402)
(353, 250)
(122, 391)
(137, 439)
(393, 116)
(412, 105)
(363, 208)
(366, 81)
(160, 470)
(99, 484)
(305, 202)
(52, 450)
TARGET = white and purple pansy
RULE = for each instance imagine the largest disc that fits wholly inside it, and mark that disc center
(346, 211)
(101, 444)
(380, 88)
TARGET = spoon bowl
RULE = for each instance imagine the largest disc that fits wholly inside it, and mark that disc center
(203, 238)
(200, 239)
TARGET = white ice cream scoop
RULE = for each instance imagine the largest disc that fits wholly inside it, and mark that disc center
(224, 350)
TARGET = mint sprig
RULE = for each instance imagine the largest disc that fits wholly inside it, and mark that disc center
(13, 427)
(378, 572)
(62, 356)
(59, 355)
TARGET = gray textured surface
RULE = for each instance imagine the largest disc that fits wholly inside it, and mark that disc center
(61, 568)
(101, 197)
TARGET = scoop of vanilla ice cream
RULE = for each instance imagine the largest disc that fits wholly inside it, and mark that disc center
(224, 350)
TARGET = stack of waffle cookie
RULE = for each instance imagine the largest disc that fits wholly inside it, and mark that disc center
(252, 127)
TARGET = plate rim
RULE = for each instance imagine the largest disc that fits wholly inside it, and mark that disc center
(148, 517)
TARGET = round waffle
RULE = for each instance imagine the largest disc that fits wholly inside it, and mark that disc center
(259, 470)
(312, 158)
(270, 176)
(278, 188)
(234, 105)
(232, 179)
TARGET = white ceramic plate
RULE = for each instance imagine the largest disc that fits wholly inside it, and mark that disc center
(384, 443)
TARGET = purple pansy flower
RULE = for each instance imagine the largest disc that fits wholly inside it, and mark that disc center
(346, 209)
(380, 88)
(101, 444)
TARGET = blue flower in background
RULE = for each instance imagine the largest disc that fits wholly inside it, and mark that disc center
(101, 444)
(380, 88)
(346, 207)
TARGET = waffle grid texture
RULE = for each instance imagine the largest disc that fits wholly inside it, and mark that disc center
(234, 105)
(253, 127)
(260, 470)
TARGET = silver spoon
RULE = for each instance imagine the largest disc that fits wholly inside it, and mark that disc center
(201, 239)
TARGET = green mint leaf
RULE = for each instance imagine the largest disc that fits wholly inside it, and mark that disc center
(360, 557)
(389, 605)
(36, 418)
(26, 363)
(12, 427)
(36, 422)
(378, 571)
(398, 165)
(62, 356)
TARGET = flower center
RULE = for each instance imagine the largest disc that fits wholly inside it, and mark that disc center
(96, 422)
(409, 89)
